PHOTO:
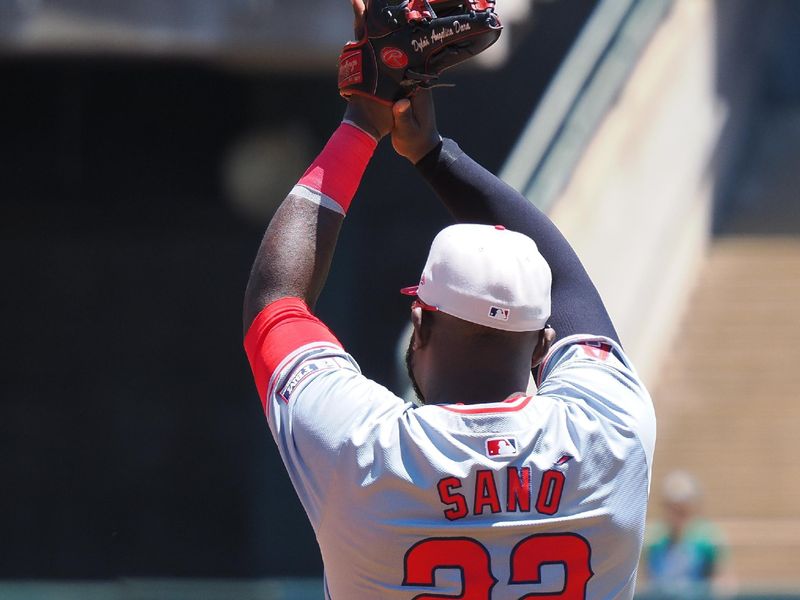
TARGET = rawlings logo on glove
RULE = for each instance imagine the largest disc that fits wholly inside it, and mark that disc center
(406, 44)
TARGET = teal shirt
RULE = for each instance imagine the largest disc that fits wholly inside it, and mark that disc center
(684, 565)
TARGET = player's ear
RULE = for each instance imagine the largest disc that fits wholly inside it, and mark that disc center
(421, 333)
(546, 338)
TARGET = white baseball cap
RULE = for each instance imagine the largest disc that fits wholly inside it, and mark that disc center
(486, 275)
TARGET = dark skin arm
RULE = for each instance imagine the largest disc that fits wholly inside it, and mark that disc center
(297, 249)
(294, 257)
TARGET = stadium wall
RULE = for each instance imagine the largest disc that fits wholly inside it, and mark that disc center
(653, 169)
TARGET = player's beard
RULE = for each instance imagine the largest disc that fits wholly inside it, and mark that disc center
(410, 369)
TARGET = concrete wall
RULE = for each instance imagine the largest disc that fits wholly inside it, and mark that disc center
(640, 202)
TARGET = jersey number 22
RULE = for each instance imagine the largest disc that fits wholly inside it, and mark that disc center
(527, 559)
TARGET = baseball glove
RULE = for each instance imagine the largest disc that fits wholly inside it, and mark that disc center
(406, 44)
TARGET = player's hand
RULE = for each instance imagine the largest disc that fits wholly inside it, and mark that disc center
(415, 134)
(371, 116)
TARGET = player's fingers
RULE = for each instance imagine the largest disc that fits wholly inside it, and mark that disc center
(403, 115)
(422, 105)
(422, 96)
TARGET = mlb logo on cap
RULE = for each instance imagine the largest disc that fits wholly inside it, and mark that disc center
(506, 446)
(486, 275)
(501, 314)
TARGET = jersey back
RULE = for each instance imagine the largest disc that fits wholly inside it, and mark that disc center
(535, 496)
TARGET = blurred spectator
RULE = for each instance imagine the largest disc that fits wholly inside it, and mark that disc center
(684, 556)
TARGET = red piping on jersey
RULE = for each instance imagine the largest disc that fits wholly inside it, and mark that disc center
(500, 407)
(569, 341)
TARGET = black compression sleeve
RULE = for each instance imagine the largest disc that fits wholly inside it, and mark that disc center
(474, 195)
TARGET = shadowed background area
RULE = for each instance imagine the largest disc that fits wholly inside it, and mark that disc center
(143, 148)
(131, 438)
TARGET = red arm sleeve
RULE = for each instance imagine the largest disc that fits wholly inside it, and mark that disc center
(278, 330)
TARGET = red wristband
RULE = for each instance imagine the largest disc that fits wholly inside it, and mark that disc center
(333, 178)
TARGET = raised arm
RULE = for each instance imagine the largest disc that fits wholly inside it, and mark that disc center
(296, 252)
(474, 195)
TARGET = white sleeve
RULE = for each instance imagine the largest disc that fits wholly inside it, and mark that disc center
(318, 403)
(595, 372)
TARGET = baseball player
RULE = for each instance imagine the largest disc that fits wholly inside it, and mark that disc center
(479, 491)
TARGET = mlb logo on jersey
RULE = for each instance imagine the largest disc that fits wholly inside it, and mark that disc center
(501, 314)
(506, 446)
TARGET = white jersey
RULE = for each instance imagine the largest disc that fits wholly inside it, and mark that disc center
(534, 495)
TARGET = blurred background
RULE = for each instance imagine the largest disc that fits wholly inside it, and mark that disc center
(143, 148)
